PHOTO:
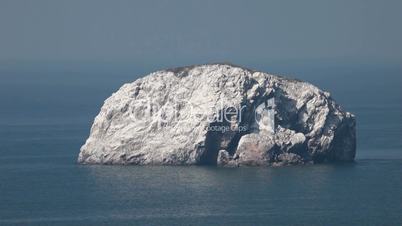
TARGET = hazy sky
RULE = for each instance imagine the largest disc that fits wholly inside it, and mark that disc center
(199, 31)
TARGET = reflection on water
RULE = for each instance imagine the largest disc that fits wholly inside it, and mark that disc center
(158, 194)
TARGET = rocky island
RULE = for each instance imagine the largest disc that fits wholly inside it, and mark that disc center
(219, 114)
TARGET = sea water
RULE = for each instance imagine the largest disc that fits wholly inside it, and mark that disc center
(45, 117)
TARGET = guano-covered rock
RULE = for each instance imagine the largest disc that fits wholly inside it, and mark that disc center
(219, 114)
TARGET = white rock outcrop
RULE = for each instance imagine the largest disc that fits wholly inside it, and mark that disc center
(219, 114)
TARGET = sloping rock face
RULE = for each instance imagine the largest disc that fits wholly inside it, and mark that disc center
(219, 114)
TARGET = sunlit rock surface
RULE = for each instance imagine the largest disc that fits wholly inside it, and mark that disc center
(219, 114)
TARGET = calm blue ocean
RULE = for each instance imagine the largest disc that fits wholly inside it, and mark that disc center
(46, 113)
